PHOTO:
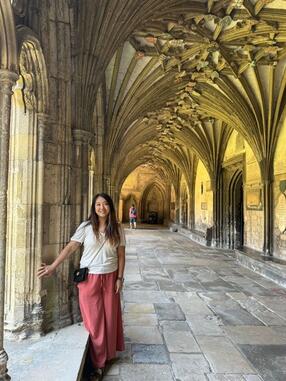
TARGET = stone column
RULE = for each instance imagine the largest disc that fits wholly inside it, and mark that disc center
(191, 225)
(81, 139)
(268, 215)
(120, 210)
(106, 184)
(217, 212)
(167, 205)
(177, 207)
(37, 309)
(7, 80)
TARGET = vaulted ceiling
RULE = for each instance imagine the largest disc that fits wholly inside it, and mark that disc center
(178, 76)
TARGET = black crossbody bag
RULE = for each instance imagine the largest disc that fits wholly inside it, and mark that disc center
(80, 275)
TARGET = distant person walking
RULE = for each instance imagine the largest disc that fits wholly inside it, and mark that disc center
(103, 255)
(132, 216)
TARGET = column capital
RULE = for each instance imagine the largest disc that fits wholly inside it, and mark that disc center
(82, 136)
(7, 80)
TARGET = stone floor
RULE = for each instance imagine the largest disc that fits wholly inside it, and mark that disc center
(193, 314)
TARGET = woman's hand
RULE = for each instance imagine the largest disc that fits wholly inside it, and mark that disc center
(118, 285)
(45, 270)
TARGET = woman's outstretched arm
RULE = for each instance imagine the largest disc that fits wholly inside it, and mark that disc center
(121, 265)
(47, 270)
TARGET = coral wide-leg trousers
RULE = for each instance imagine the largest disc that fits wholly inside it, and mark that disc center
(101, 313)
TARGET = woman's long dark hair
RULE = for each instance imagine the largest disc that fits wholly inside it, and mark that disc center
(111, 231)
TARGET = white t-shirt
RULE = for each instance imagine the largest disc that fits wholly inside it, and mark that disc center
(106, 260)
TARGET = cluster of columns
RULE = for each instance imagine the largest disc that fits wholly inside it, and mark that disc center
(7, 80)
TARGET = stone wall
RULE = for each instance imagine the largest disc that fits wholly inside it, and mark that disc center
(279, 193)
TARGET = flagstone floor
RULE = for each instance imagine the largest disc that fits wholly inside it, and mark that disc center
(193, 314)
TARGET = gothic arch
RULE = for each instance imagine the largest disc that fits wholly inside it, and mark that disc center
(32, 67)
(127, 202)
(235, 211)
(147, 208)
(8, 45)
(184, 202)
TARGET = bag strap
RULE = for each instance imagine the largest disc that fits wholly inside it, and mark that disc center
(97, 252)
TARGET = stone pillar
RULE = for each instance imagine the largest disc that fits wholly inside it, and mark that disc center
(7, 80)
(115, 197)
(37, 309)
(120, 210)
(268, 215)
(167, 206)
(191, 218)
(217, 212)
(177, 207)
(81, 139)
(106, 184)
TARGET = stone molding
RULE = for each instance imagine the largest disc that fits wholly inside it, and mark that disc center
(82, 136)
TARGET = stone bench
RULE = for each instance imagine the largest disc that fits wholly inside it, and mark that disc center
(203, 238)
(271, 268)
(57, 356)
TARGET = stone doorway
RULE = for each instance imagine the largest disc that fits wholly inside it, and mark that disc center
(232, 196)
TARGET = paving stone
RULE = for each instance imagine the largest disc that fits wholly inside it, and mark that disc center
(141, 285)
(189, 367)
(166, 285)
(150, 354)
(217, 350)
(145, 296)
(281, 331)
(132, 278)
(207, 325)
(192, 304)
(180, 341)
(137, 308)
(193, 286)
(235, 315)
(154, 276)
(225, 377)
(274, 303)
(217, 285)
(143, 335)
(169, 311)
(174, 325)
(252, 377)
(146, 372)
(254, 335)
(269, 360)
(140, 320)
(257, 309)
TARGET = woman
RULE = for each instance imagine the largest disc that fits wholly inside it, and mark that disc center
(132, 216)
(99, 297)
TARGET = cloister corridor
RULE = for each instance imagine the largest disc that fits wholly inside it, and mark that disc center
(191, 313)
(174, 110)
